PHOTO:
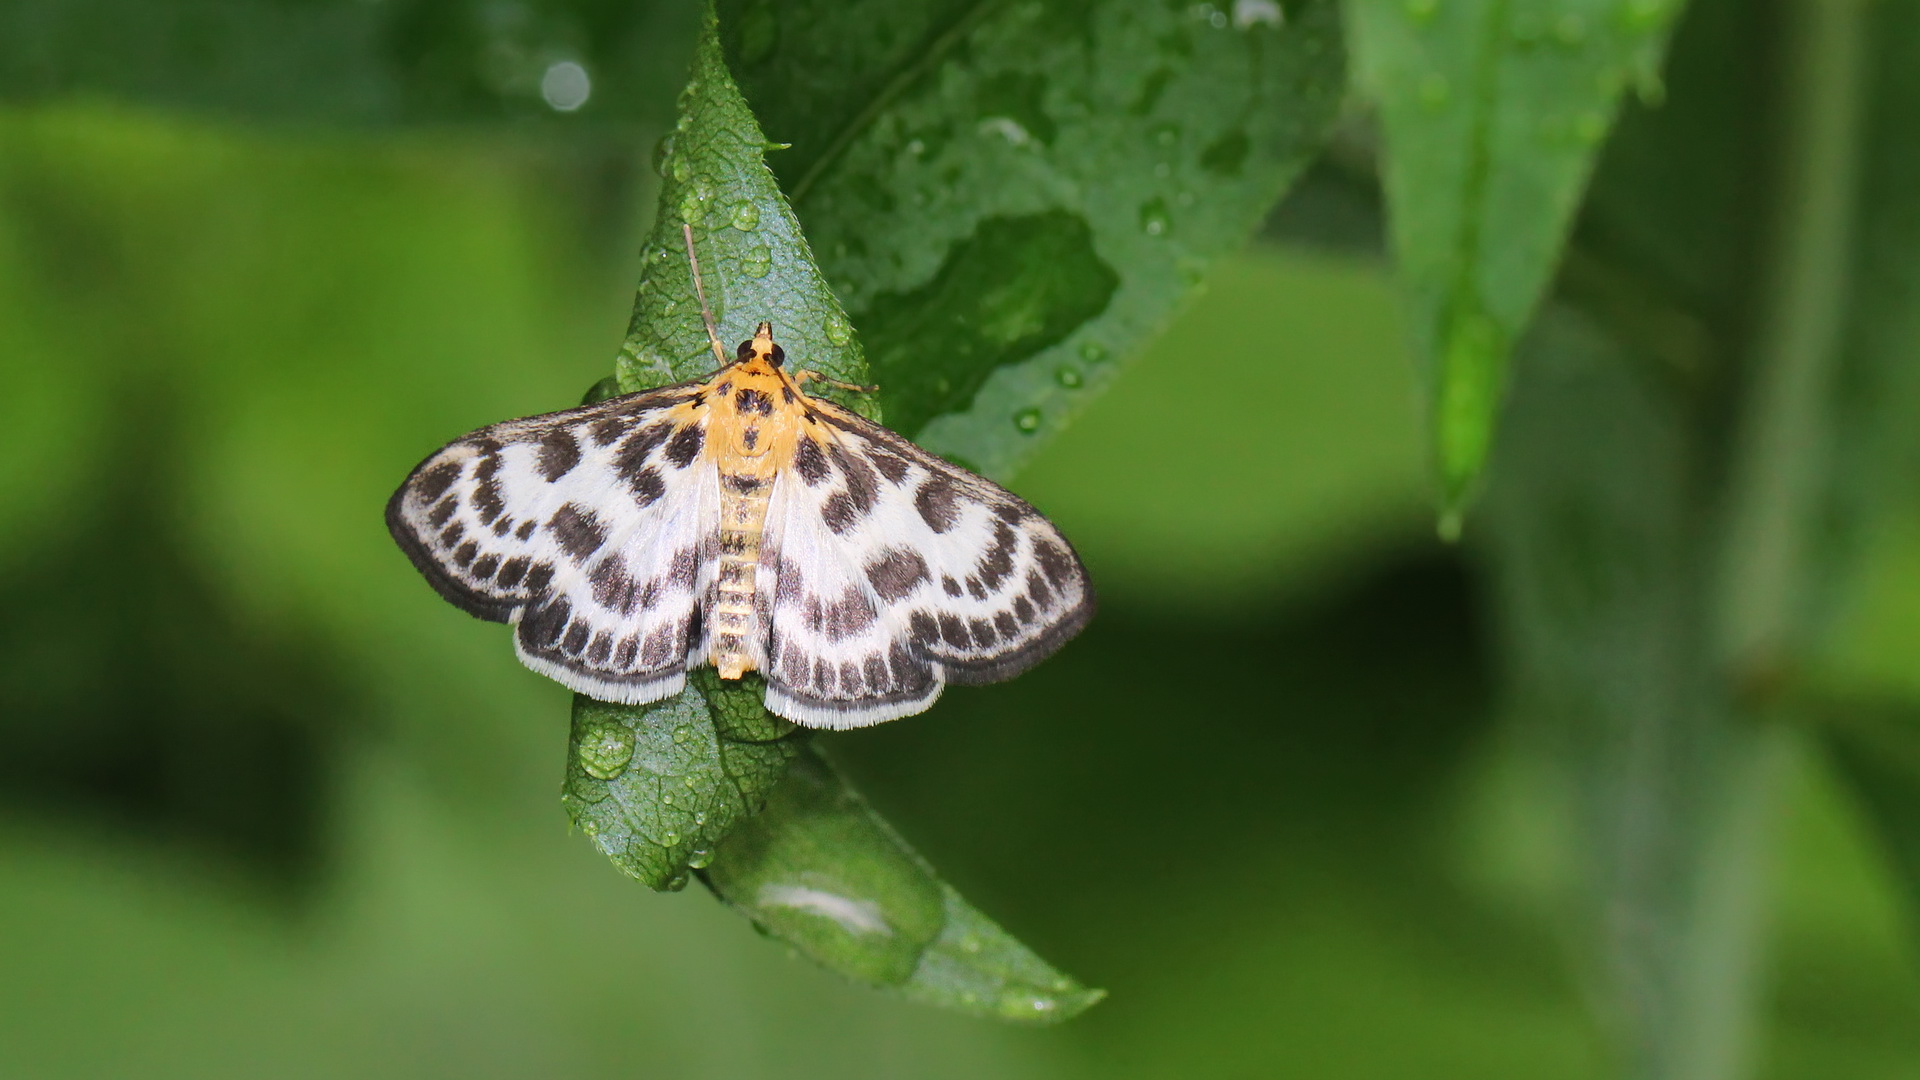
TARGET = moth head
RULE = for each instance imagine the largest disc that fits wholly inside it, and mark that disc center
(761, 347)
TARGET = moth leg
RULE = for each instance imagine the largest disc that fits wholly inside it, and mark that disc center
(803, 376)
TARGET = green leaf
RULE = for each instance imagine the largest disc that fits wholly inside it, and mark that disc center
(657, 786)
(1011, 198)
(754, 261)
(1491, 113)
(821, 871)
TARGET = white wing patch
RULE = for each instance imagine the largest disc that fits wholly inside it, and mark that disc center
(888, 573)
(590, 530)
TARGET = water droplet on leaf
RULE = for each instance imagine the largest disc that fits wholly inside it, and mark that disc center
(839, 331)
(746, 217)
(1027, 420)
(1069, 376)
(605, 750)
(1092, 352)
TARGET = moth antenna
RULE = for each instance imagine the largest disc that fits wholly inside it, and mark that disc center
(700, 290)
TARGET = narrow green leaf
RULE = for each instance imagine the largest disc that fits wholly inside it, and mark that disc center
(1492, 112)
(819, 870)
(1011, 198)
(657, 786)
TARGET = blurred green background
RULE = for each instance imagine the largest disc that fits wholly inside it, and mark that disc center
(267, 808)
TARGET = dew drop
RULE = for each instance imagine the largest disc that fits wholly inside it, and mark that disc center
(700, 858)
(1092, 352)
(676, 882)
(1421, 11)
(916, 147)
(839, 331)
(756, 261)
(591, 827)
(682, 734)
(663, 153)
(1027, 420)
(682, 169)
(689, 94)
(605, 750)
(1435, 93)
(669, 838)
(667, 798)
(692, 782)
(1154, 220)
(746, 217)
(1069, 376)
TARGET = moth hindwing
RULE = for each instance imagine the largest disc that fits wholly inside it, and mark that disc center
(742, 522)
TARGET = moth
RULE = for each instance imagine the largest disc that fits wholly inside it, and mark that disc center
(741, 522)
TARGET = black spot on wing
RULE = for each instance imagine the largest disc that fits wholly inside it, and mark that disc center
(484, 569)
(487, 502)
(576, 640)
(577, 530)
(463, 555)
(539, 577)
(525, 531)
(607, 430)
(891, 465)
(839, 514)
(601, 648)
(633, 454)
(743, 484)
(997, 561)
(450, 535)
(810, 463)
(647, 486)
(938, 502)
(685, 445)
(559, 453)
(443, 511)
(861, 487)
(950, 586)
(513, 570)
(1056, 562)
(435, 481)
(1038, 589)
(542, 628)
(613, 588)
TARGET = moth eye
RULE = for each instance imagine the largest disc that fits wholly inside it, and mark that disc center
(744, 352)
(779, 356)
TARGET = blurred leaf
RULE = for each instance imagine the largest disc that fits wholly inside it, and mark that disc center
(821, 871)
(657, 786)
(1876, 745)
(392, 62)
(1492, 112)
(1012, 197)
